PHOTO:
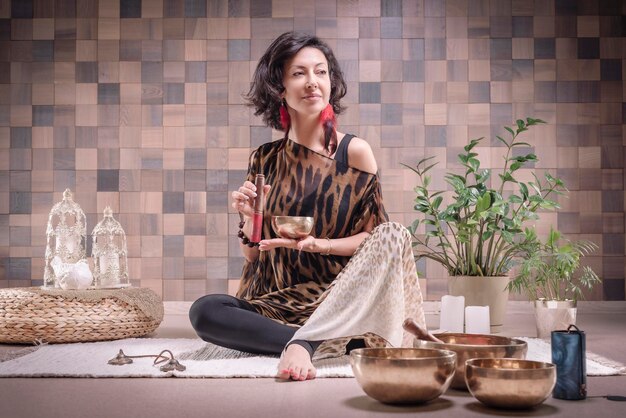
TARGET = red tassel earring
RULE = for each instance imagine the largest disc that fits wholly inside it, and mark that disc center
(285, 119)
(328, 115)
(329, 124)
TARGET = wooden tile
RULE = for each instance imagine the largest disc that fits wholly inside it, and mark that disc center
(130, 115)
(390, 27)
(195, 137)
(369, 71)
(174, 137)
(479, 70)
(86, 28)
(42, 8)
(153, 9)
(87, 115)
(173, 115)
(86, 50)
(436, 70)
(545, 70)
(457, 114)
(610, 48)
(108, 8)
(457, 49)
(195, 93)
(65, 29)
(588, 26)
(457, 92)
(543, 26)
(130, 158)
(435, 114)
(108, 28)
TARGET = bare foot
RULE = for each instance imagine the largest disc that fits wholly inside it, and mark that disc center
(295, 364)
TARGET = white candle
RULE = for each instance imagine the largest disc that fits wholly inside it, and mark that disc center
(451, 318)
(477, 320)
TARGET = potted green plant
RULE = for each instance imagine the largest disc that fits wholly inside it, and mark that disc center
(477, 236)
(548, 277)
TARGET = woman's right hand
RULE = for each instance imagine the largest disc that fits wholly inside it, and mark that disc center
(243, 198)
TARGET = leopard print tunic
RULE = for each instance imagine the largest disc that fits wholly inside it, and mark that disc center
(284, 284)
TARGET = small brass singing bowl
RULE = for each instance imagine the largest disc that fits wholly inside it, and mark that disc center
(469, 346)
(510, 383)
(403, 375)
(294, 227)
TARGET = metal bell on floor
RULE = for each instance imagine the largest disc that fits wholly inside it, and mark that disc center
(172, 364)
(120, 359)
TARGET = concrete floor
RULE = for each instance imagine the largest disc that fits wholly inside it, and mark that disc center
(603, 322)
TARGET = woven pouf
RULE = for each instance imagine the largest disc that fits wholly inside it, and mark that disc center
(33, 315)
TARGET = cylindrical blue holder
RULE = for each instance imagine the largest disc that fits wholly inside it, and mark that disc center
(568, 354)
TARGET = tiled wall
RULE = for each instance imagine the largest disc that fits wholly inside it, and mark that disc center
(137, 104)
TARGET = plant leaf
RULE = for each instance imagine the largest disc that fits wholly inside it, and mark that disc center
(472, 144)
(474, 164)
(483, 203)
(524, 190)
(437, 202)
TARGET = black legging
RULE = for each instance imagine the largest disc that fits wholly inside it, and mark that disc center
(234, 323)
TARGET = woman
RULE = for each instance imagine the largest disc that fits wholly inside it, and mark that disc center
(352, 281)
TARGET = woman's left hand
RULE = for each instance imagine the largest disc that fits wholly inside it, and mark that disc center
(308, 243)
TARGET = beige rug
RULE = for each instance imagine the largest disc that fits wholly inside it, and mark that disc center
(200, 359)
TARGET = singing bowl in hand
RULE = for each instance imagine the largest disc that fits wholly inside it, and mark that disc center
(403, 375)
(294, 227)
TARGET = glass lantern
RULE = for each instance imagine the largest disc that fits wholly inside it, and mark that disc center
(66, 236)
(109, 253)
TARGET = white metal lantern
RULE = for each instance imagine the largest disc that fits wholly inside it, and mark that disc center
(109, 253)
(66, 236)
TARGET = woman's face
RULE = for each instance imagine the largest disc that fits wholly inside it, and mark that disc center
(307, 82)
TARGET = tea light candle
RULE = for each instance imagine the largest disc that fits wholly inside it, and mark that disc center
(451, 318)
(477, 320)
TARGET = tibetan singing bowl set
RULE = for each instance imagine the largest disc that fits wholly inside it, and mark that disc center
(491, 367)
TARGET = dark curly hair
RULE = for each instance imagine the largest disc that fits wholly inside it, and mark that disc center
(267, 82)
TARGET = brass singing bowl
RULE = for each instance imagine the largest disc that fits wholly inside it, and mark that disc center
(403, 375)
(294, 227)
(469, 346)
(510, 383)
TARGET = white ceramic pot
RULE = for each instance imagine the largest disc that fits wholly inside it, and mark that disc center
(552, 315)
(483, 291)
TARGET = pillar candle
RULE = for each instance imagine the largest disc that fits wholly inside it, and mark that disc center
(451, 319)
(477, 320)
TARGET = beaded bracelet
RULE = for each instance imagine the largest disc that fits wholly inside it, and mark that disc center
(242, 236)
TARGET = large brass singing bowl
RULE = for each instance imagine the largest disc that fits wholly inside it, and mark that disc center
(403, 375)
(294, 227)
(510, 383)
(469, 346)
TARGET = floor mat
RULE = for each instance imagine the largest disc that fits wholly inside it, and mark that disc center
(201, 359)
